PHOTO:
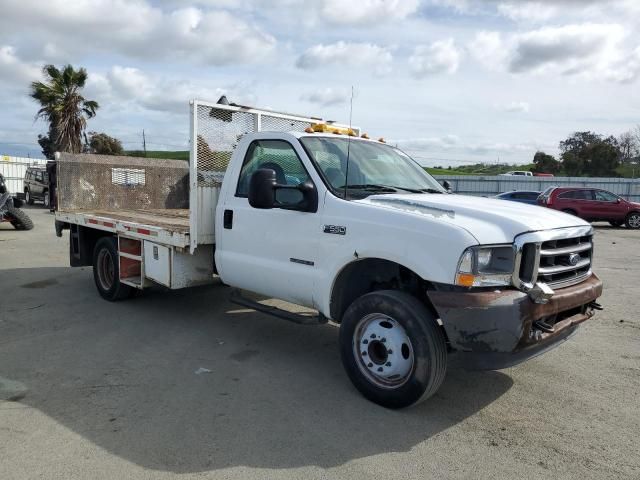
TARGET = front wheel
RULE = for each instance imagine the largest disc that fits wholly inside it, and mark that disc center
(106, 272)
(27, 196)
(392, 348)
(633, 220)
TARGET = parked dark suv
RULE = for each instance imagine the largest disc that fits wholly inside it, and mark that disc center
(36, 185)
(592, 204)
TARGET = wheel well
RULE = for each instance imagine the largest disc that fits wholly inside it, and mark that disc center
(371, 274)
(82, 242)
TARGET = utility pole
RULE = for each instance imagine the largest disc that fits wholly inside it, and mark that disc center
(144, 143)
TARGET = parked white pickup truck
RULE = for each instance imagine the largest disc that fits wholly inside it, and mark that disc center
(306, 211)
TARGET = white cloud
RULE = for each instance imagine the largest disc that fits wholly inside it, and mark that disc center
(439, 57)
(14, 70)
(527, 11)
(327, 96)
(138, 29)
(588, 49)
(569, 49)
(128, 87)
(347, 54)
(488, 49)
(516, 107)
(366, 12)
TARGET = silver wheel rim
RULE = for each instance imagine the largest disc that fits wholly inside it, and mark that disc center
(634, 221)
(46, 199)
(27, 196)
(383, 351)
(106, 271)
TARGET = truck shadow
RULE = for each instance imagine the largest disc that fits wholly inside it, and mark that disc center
(186, 382)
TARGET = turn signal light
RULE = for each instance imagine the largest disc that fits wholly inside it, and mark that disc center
(381, 140)
(364, 135)
(465, 279)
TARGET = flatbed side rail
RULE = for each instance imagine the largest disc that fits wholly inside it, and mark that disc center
(131, 229)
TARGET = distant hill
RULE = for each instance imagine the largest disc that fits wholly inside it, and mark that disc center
(477, 169)
(175, 155)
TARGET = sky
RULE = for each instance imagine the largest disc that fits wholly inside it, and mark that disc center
(451, 82)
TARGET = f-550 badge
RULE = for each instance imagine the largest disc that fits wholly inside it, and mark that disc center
(335, 229)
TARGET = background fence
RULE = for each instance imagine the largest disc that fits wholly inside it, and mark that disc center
(487, 186)
(14, 168)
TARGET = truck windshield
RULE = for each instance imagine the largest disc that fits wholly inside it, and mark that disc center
(373, 168)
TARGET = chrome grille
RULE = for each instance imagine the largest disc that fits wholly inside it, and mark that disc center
(565, 262)
(558, 258)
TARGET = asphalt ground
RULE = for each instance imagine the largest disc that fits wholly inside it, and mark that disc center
(186, 384)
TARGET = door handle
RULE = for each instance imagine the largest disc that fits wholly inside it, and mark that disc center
(228, 219)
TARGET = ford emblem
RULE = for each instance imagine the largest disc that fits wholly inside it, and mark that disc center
(574, 258)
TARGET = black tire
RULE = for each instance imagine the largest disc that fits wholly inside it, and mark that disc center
(28, 197)
(106, 274)
(633, 220)
(45, 198)
(19, 219)
(616, 223)
(570, 212)
(427, 348)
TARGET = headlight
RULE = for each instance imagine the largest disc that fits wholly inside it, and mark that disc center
(482, 266)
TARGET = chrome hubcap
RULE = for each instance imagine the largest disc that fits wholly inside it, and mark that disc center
(634, 221)
(383, 350)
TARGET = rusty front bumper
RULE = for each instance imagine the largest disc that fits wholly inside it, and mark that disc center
(501, 328)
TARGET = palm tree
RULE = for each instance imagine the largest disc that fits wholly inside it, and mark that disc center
(63, 106)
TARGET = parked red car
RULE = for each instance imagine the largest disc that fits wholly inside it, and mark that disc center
(592, 204)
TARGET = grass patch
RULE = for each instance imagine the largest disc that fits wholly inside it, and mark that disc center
(174, 155)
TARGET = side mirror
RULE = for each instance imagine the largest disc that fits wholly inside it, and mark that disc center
(265, 193)
(262, 188)
(618, 200)
(446, 185)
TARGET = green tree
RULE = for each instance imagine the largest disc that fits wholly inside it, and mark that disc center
(545, 163)
(590, 154)
(103, 144)
(63, 106)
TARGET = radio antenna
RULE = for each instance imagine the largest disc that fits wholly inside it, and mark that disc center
(346, 173)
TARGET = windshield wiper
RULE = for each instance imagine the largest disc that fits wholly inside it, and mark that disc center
(370, 186)
(431, 190)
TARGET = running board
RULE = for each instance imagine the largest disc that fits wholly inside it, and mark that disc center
(300, 319)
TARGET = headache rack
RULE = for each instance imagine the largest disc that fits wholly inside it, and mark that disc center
(558, 258)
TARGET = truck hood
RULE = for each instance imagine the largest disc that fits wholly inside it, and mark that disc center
(488, 220)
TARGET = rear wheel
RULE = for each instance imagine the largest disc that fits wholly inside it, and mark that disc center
(392, 348)
(633, 220)
(616, 223)
(106, 273)
(19, 219)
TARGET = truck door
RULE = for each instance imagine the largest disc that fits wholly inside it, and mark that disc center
(269, 251)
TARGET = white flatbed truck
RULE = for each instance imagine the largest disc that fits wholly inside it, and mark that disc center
(312, 213)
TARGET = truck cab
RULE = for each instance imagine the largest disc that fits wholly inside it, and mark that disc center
(356, 230)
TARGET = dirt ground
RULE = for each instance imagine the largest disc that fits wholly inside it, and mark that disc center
(186, 384)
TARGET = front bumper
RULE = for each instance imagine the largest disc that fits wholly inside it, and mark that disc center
(501, 328)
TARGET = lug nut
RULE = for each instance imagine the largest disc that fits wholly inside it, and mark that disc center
(369, 364)
(388, 364)
(379, 369)
(364, 354)
(390, 352)
(383, 340)
(365, 341)
(373, 335)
